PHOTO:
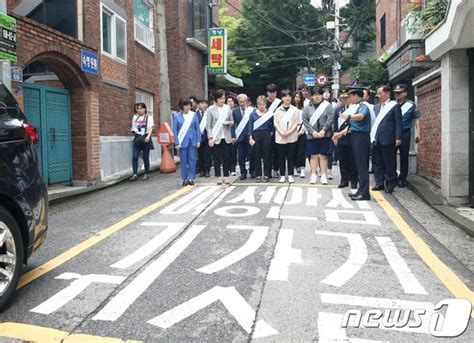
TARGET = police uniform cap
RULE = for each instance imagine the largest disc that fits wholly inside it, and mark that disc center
(355, 90)
(400, 88)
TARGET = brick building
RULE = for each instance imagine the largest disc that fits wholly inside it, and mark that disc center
(84, 117)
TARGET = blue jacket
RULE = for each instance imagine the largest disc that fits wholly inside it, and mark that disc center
(390, 129)
(238, 116)
(193, 136)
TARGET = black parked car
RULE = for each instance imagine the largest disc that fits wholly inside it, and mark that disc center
(23, 194)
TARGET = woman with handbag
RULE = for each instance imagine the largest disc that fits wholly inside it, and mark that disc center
(142, 127)
(219, 123)
(188, 139)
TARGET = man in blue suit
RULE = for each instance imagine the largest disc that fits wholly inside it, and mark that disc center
(204, 152)
(386, 136)
(240, 129)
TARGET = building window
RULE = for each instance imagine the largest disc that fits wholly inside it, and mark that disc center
(144, 23)
(114, 35)
(146, 98)
(56, 14)
(382, 32)
(197, 15)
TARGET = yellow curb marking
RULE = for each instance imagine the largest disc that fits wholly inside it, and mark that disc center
(32, 333)
(452, 282)
(83, 246)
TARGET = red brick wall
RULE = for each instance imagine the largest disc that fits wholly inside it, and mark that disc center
(429, 148)
(395, 11)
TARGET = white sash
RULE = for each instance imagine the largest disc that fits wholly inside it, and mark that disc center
(287, 117)
(274, 105)
(406, 107)
(243, 123)
(203, 124)
(306, 102)
(184, 129)
(387, 108)
(260, 121)
(319, 111)
(372, 112)
(220, 121)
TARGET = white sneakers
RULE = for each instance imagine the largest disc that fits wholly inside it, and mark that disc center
(324, 179)
(313, 179)
(290, 179)
(330, 177)
(302, 173)
(282, 179)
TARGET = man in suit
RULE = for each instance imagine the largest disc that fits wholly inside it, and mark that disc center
(204, 152)
(386, 136)
(240, 133)
(409, 114)
(272, 91)
(342, 139)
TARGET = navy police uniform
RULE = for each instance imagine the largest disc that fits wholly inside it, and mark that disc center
(360, 141)
(243, 145)
(407, 119)
(204, 152)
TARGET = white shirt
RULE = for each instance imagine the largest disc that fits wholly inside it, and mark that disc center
(220, 135)
(138, 124)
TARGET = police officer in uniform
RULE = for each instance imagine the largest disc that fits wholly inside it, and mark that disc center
(360, 140)
(409, 114)
(386, 136)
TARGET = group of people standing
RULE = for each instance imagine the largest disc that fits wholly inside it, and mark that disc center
(280, 134)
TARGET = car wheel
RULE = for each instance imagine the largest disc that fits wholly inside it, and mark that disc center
(11, 255)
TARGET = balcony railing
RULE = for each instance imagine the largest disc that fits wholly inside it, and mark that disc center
(144, 35)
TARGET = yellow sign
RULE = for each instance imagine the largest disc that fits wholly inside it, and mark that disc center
(217, 51)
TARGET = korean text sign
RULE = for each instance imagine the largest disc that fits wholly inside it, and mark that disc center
(217, 51)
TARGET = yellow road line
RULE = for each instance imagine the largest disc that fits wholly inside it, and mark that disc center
(264, 184)
(81, 247)
(32, 333)
(452, 282)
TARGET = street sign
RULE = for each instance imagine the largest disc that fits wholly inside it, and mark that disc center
(322, 80)
(8, 38)
(89, 62)
(217, 51)
(309, 79)
(17, 74)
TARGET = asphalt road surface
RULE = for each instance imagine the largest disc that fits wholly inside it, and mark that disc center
(152, 261)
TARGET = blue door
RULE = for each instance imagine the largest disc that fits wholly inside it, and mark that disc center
(48, 108)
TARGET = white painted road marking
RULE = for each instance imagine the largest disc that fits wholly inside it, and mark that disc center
(152, 245)
(255, 241)
(247, 196)
(190, 201)
(274, 213)
(408, 281)
(213, 202)
(357, 258)
(237, 211)
(369, 217)
(313, 197)
(80, 283)
(122, 301)
(230, 298)
(284, 256)
(339, 200)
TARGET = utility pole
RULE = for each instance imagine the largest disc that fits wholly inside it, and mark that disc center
(337, 57)
(165, 102)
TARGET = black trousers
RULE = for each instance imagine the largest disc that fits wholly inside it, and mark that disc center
(243, 149)
(347, 164)
(404, 154)
(287, 153)
(360, 147)
(233, 157)
(221, 154)
(385, 165)
(204, 157)
(274, 155)
(301, 151)
(261, 151)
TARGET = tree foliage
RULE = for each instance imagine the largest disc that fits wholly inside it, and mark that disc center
(371, 73)
(426, 17)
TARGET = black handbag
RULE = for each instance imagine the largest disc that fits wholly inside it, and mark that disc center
(139, 140)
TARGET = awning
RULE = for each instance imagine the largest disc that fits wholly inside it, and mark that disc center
(227, 80)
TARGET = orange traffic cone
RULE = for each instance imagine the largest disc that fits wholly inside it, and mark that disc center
(167, 162)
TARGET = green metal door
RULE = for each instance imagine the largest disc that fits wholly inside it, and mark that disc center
(49, 109)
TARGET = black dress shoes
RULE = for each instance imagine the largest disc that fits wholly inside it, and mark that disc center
(243, 177)
(378, 188)
(360, 197)
(253, 176)
(353, 185)
(389, 189)
(401, 183)
(343, 185)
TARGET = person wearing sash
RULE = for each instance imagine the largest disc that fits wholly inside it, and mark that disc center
(304, 90)
(317, 119)
(241, 116)
(409, 114)
(359, 118)
(286, 135)
(386, 136)
(204, 153)
(298, 102)
(260, 131)
(188, 139)
(342, 139)
(233, 148)
(219, 123)
(365, 101)
(142, 128)
(272, 104)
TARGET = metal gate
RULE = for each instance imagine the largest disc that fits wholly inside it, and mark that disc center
(48, 109)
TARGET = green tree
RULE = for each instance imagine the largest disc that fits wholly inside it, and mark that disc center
(371, 73)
